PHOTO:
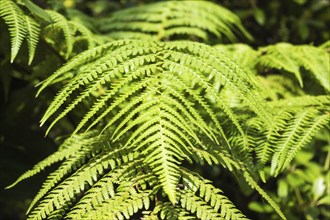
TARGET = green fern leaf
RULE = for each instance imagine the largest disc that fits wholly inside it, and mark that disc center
(299, 132)
(83, 178)
(32, 36)
(255, 186)
(104, 194)
(103, 72)
(291, 58)
(296, 120)
(165, 136)
(61, 22)
(14, 18)
(209, 199)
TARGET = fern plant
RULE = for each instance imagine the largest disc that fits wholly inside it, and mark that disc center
(145, 110)
(284, 56)
(21, 27)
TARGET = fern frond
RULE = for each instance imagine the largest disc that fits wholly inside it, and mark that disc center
(130, 197)
(122, 206)
(144, 99)
(296, 120)
(32, 36)
(83, 178)
(212, 157)
(139, 59)
(291, 58)
(254, 185)
(61, 22)
(13, 17)
(86, 56)
(299, 131)
(265, 149)
(103, 70)
(104, 197)
(173, 18)
(194, 204)
(209, 203)
(21, 27)
(72, 163)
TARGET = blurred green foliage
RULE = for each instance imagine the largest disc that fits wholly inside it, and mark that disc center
(294, 21)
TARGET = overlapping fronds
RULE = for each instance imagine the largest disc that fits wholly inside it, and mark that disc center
(296, 120)
(165, 103)
(143, 106)
(293, 58)
(150, 67)
(94, 162)
(21, 27)
(179, 19)
(151, 80)
(103, 182)
(150, 109)
(284, 56)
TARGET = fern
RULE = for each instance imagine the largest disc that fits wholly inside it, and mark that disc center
(213, 197)
(292, 58)
(294, 128)
(24, 27)
(165, 20)
(158, 111)
(21, 27)
(283, 56)
(70, 30)
(144, 106)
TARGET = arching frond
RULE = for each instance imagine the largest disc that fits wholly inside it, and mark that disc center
(135, 61)
(163, 20)
(66, 191)
(151, 81)
(106, 201)
(254, 185)
(291, 58)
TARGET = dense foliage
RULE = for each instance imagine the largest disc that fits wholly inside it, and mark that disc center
(163, 110)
